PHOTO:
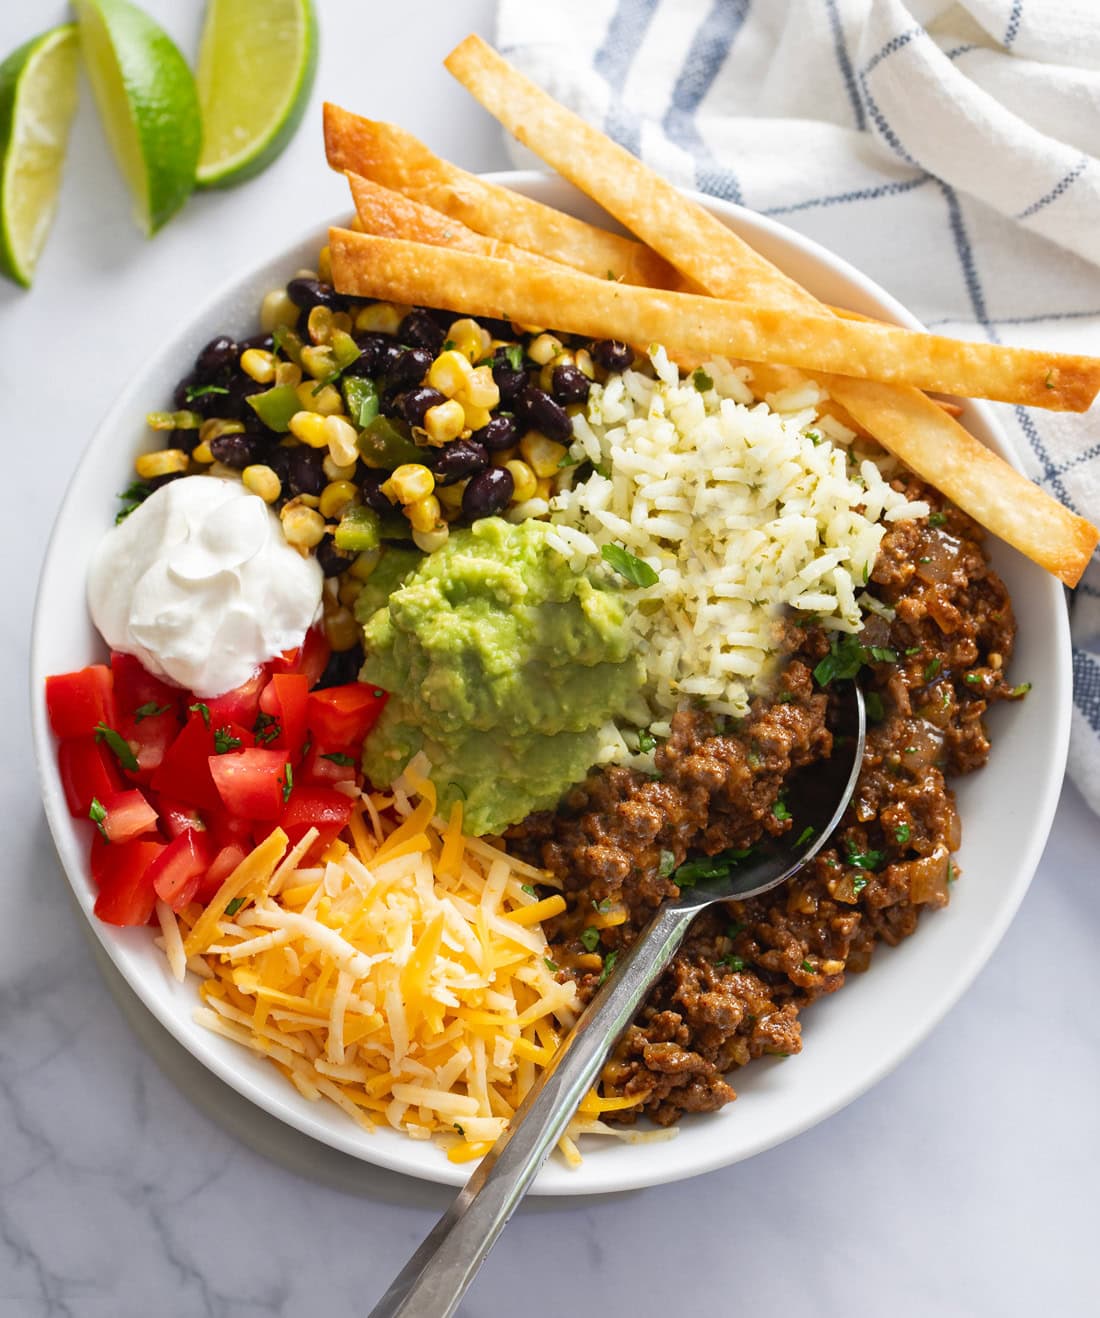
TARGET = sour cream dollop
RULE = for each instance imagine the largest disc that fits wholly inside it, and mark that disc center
(200, 585)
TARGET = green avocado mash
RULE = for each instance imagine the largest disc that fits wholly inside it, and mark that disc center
(502, 664)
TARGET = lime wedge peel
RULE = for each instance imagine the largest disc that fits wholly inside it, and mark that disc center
(147, 100)
(256, 66)
(38, 92)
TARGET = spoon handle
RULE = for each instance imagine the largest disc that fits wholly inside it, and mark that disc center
(436, 1277)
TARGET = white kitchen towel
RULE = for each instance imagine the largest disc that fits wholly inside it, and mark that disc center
(949, 150)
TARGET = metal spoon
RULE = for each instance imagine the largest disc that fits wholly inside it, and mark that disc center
(436, 1277)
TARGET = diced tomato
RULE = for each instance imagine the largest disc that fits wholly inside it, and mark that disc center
(326, 765)
(149, 713)
(226, 828)
(223, 864)
(322, 808)
(239, 705)
(178, 870)
(76, 702)
(87, 770)
(127, 815)
(126, 895)
(251, 782)
(284, 698)
(343, 715)
(135, 687)
(178, 817)
(310, 658)
(184, 773)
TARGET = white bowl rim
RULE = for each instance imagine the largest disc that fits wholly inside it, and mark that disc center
(389, 1153)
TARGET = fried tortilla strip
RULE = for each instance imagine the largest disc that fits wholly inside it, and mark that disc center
(700, 327)
(915, 428)
(389, 156)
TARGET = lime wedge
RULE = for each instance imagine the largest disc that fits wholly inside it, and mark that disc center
(256, 67)
(147, 100)
(37, 100)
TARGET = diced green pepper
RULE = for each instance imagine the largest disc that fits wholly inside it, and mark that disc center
(276, 406)
(385, 444)
(360, 398)
(344, 349)
(359, 529)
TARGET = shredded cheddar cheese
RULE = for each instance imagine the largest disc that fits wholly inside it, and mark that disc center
(404, 975)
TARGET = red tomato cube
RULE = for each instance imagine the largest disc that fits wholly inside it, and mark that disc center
(343, 715)
(87, 770)
(126, 895)
(77, 702)
(178, 870)
(252, 783)
(126, 815)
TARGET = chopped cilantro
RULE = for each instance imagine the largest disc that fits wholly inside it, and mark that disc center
(701, 380)
(514, 354)
(194, 391)
(97, 814)
(448, 345)
(528, 889)
(858, 885)
(266, 728)
(951, 874)
(200, 708)
(710, 867)
(568, 460)
(1020, 690)
(866, 573)
(734, 962)
(603, 907)
(667, 865)
(224, 741)
(590, 938)
(808, 968)
(881, 655)
(646, 741)
(634, 569)
(864, 860)
(925, 559)
(973, 678)
(844, 660)
(550, 965)
(235, 905)
(118, 743)
(805, 835)
(936, 519)
(460, 1130)
(338, 757)
(780, 811)
(902, 834)
(913, 649)
(734, 929)
(288, 782)
(932, 669)
(1049, 381)
(813, 437)
(149, 710)
(873, 704)
(133, 495)
(608, 966)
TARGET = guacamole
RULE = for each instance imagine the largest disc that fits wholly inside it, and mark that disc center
(502, 664)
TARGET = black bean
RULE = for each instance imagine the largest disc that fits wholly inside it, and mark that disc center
(184, 439)
(306, 474)
(343, 667)
(233, 405)
(188, 398)
(417, 401)
(265, 342)
(219, 355)
(237, 451)
(459, 459)
(310, 293)
(570, 385)
(510, 382)
(169, 476)
(612, 354)
(420, 329)
(278, 459)
(499, 329)
(536, 408)
(372, 352)
(333, 561)
(408, 368)
(502, 432)
(370, 487)
(487, 493)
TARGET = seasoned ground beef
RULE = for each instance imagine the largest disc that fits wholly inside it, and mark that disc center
(937, 659)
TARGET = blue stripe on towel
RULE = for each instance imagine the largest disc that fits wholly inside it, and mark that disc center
(613, 61)
(1067, 181)
(840, 49)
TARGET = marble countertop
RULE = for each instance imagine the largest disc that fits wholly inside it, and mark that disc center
(133, 1184)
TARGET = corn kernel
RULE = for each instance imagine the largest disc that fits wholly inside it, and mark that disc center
(291, 345)
(216, 426)
(201, 453)
(350, 590)
(481, 389)
(261, 480)
(335, 472)
(277, 309)
(449, 373)
(524, 480)
(470, 338)
(288, 373)
(429, 541)
(258, 364)
(319, 324)
(309, 427)
(323, 399)
(364, 564)
(336, 497)
(226, 473)
(584, 363)
(342, 630)
(324, 265)
(341, 440)
(408, 483)
(424, 514)
(544, 349)
(309, 500)
(450, 496)
(545, 488)
(832, 967)
(546, 375)
(318, 361)
(343, 322)
(520, 330)
(543, 454)
(380, 318)
(502, 457)
(163, 462)
(303, 527)
(444, 422)
(476, 417)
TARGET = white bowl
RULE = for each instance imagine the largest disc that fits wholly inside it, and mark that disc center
(852, 1039)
